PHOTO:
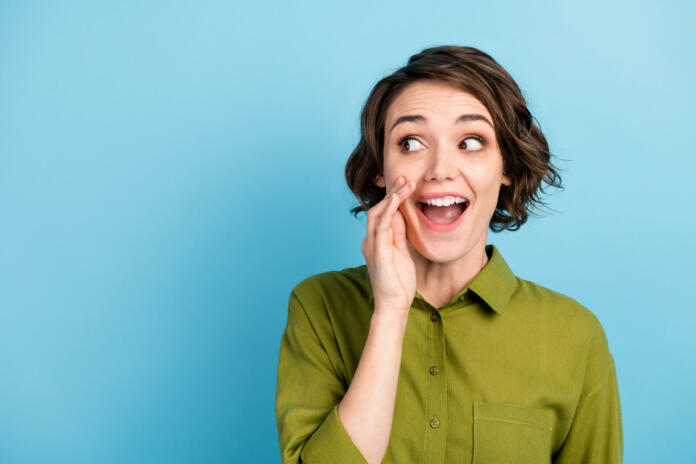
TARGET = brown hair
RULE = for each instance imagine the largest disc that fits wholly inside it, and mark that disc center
(526, 156)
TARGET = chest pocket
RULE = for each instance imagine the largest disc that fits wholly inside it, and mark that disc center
(511, 434)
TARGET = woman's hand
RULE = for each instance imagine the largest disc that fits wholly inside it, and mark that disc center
(389, 262)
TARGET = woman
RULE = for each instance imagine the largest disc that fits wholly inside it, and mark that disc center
(434, 351)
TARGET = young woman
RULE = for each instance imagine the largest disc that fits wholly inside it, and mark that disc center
(435, 351)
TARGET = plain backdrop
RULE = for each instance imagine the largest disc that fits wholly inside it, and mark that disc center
(170, 170)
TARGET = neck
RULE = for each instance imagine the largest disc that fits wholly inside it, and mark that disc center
(438, 282)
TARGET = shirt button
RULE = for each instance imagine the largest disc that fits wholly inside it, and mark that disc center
(434, 370)
(434, 317)
(434, 423)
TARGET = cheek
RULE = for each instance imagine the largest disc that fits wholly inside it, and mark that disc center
(488, 183)
(408, 212)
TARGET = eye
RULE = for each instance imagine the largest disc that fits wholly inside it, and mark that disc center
(477, 144)
(472, 143)
(408, 141)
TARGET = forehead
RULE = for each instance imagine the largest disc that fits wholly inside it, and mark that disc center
(433, 97)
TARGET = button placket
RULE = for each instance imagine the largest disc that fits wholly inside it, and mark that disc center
(436, 439)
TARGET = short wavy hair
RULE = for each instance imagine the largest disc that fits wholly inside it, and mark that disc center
(526, 156)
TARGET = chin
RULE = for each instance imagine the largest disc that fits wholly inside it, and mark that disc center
(445, 256)
(444, 251)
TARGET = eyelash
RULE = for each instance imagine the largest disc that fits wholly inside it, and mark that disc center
(475, 137)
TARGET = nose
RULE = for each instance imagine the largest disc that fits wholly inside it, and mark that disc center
(441, 165)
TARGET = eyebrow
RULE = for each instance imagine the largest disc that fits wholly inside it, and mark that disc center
(419, 118)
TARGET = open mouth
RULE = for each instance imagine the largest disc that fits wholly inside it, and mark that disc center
(442, 218)
(443, 214)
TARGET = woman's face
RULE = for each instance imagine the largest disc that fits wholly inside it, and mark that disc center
(426, 141)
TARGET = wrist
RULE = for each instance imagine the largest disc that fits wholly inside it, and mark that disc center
(389, 317)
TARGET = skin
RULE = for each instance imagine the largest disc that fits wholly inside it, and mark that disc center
(402, 254)
(440, 157)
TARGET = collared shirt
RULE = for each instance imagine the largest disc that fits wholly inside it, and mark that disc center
(507, 371)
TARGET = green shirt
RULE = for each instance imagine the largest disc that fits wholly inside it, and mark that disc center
(507, 371)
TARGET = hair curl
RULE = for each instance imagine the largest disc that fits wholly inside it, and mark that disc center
(526, 156)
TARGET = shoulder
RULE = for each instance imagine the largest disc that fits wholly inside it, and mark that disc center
(573, 327)
(334, 305)
(558, 308)
(349, 281)
(334, 296)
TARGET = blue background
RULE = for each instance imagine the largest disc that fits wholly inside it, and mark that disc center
(169, 170)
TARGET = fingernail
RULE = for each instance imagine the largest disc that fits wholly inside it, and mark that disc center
(407, 184)
(398, 180)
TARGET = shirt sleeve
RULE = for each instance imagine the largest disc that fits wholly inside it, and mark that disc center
(596, 433)
(308, 391)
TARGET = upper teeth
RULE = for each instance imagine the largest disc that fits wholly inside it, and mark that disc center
(445, 201)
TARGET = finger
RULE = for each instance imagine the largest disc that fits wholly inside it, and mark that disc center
(398, 224)
(386, 220)
(392, 219)
(398, 227)
(379, 207)
(399, 195)
(376, 211)
(382, 233)
(379, 237)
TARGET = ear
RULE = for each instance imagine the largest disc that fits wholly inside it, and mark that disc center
(506, 180)
(379, 181)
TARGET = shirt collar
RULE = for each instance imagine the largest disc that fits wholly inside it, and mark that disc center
(494, 284)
